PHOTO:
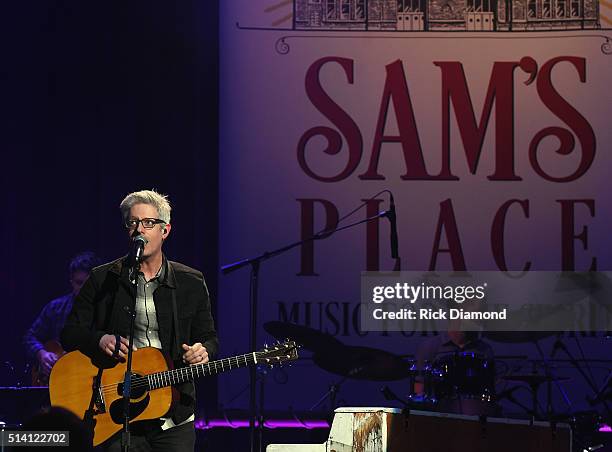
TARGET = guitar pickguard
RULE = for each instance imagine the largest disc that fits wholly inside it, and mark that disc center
(136, 409)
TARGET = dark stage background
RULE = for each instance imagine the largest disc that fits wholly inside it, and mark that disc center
(100, 99)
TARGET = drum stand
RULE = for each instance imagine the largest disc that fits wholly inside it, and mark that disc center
(331, 395)
(508, 396)
(550, 378)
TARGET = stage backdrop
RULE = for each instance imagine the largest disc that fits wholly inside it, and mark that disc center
(487, 120)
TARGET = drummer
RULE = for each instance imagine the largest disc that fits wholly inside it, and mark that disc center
(450, 342)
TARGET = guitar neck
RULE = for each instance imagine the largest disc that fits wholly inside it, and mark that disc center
(176, 376)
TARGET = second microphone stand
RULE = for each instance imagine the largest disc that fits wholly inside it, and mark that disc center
(255, 263)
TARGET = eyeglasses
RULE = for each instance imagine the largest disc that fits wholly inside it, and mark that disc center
(147, 223)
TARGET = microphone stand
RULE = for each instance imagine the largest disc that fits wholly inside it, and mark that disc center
(127, 381)
(255, 262)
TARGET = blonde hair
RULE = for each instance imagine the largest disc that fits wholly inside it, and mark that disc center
(151, 197)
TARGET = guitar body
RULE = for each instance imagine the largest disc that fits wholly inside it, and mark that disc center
(71, 386)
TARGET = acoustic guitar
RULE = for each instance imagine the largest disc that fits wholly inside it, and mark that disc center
(95, 394)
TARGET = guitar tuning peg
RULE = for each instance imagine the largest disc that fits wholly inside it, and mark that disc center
(265, 345)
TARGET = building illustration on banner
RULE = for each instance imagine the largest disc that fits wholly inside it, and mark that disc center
(447, 15)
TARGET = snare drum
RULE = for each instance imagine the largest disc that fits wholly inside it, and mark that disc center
(424, 376)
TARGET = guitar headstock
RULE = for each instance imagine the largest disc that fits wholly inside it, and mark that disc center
(278, 353)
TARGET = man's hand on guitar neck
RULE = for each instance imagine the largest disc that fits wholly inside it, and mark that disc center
(195, 354)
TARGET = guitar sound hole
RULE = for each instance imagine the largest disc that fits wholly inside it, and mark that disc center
(138, 389)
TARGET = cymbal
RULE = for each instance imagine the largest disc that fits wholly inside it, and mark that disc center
(309, 338)
(517, 336)
(534, 379)
(363, 363)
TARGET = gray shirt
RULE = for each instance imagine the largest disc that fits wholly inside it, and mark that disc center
(146, 328)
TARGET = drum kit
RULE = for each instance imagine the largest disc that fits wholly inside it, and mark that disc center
(461, 382)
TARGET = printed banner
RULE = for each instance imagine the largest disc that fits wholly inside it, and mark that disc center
(486, 122)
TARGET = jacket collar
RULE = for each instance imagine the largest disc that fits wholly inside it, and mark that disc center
(169, 278)
(121, 268)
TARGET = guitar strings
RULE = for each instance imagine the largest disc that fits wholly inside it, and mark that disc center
(170, 375)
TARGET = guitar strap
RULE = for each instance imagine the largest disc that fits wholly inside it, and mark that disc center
(176, 327)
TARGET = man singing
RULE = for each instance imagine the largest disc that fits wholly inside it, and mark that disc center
(172, 314)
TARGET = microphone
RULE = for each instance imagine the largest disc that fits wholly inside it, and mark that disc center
(392, 219)
(138, 244)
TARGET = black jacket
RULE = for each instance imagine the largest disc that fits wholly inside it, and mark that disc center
(99, 310)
